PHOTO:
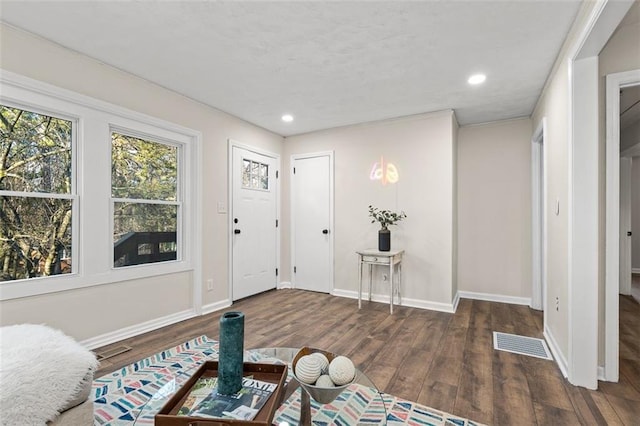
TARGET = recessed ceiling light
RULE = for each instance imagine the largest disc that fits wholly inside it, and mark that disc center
(477, 79)
(287, 118)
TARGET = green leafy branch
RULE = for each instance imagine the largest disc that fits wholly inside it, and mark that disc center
(385, 217)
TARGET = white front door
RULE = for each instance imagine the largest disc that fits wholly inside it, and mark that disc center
(312, 222)
(253, 217)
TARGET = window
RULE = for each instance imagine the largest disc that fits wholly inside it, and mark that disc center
(88, 189)
(145, 195)
(255, 175)
(37, 194)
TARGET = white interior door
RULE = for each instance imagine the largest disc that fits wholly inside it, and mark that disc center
(254, 229)
(312, 233)
(625, 225)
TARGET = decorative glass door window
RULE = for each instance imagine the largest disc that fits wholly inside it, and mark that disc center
(255, 175)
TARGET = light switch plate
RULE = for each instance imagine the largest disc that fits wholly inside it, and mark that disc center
(221, 207)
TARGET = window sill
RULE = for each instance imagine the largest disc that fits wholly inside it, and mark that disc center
(39, 286)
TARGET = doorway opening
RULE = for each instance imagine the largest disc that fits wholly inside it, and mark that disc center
(615, 83)
(539, 218)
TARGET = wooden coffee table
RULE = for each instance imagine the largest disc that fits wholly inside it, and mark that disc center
(361, 403)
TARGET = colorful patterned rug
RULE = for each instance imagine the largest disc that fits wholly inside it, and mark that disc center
(133, 394)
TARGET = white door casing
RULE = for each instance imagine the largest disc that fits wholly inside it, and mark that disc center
(583, 148)
(539, 217)
(253, 227)
(312, 221)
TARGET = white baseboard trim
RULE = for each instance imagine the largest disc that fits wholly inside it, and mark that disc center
(557, 353)
(456, 300)
(449, 308)
(215, 306)
(514, 300)
(601, 375)
(384, 298)
(349, 294)
(284, 284)
(134, 330)
(635, 270)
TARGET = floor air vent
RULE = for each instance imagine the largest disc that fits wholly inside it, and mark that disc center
(110, 353)
(521, 345)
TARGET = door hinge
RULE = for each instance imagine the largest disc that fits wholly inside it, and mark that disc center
(295, 270)
(277, 174)
(276, 223)
(276, 272)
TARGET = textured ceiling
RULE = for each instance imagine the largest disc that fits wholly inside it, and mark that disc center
(327, 63)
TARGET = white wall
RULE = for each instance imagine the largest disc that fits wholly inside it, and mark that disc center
(93, 311)
(423, 149)
(494, 208)
(554, 105)
(630, 136)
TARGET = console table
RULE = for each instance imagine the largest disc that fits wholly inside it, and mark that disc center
(392, 259)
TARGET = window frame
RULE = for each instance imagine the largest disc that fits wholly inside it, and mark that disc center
(72, 195)
(179, 203)
(92, 239)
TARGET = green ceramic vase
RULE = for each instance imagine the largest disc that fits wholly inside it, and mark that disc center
(230, 353)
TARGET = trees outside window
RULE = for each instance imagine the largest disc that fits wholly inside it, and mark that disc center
(36, 194)
(146, 200)
(88, 189)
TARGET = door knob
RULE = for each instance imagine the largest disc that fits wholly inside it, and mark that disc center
(325, 231)
(236, 231)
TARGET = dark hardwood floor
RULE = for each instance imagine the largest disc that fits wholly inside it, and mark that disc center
(444, 361)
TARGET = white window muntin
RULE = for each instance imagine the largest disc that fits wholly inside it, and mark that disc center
(263, 180)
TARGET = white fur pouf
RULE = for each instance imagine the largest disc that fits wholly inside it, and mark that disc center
(41, 369)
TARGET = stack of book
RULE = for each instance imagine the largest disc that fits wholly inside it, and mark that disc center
(198, 400)
(205, 401)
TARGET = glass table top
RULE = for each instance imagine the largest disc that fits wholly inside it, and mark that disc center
(360, 403)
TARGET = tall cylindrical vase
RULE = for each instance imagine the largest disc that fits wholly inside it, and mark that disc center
(384, 240)
(230, 353)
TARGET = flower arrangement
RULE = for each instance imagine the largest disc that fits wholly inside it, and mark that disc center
(385, 217)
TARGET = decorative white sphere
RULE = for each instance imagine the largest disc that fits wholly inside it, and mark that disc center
(341, 370)
(308, 369)
(325, 381)
(324, 361)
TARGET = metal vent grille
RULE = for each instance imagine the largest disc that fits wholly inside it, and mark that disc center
(521, 345)
(110, 353)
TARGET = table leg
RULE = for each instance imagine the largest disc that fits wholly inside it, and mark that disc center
(359, 282)
(391, 285)
(305, 408)
(370, 279)
(399, 287)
